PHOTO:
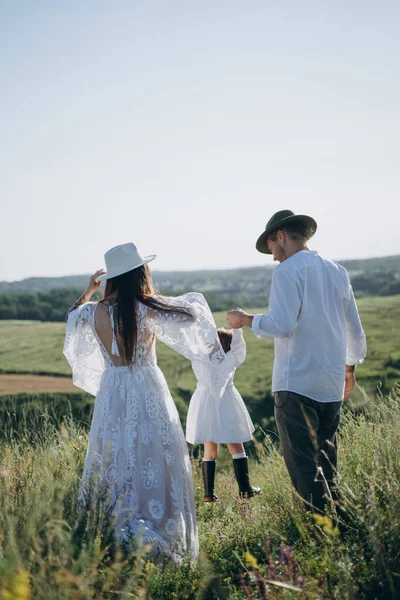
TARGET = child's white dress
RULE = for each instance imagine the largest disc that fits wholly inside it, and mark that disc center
(217, 412)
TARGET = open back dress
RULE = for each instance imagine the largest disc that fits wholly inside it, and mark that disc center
(137, 451)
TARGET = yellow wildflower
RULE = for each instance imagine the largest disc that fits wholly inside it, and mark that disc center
(18, 588)
(326, 524)
(250, 560)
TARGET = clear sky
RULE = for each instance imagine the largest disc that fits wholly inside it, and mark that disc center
(183, 126)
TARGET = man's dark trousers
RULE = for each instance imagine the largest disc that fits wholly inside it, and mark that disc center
(307, 430)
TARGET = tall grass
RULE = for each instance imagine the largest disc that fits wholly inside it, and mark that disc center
(269, 547)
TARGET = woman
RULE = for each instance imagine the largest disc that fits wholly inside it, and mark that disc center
(136, 449)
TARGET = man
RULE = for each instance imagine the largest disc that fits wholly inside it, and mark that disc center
(319, 341)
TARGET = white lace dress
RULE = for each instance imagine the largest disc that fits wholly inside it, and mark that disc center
(137, 450)
(217, 412)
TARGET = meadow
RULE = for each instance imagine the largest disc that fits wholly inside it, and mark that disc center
(36, 348)
(269, 547)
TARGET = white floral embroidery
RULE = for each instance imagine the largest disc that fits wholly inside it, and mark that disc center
(137, 454)
(169, 457)
(165, 430)
(122, 387)
(139, 376)
(157, 412)
(151, 404)
(151, 475)
(177, 495)
(146, 433)
(171, 527)
(156, 509)
(133, 409)
(119, 472)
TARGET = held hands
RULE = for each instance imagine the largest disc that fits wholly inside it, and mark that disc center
(93, 284)
(237, 318)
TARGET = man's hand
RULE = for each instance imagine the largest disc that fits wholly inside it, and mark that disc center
(237, 318)
(350, 382)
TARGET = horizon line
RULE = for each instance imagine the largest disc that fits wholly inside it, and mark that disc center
(269, 266)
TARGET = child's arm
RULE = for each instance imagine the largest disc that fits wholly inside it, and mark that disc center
(238, 347)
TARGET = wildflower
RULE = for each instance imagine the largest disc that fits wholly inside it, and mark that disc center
(18, 587)
(326, 524)
(250, 560)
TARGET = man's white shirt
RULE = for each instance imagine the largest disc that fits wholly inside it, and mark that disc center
(314, 319)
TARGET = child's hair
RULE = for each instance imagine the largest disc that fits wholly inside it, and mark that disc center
(225, 337)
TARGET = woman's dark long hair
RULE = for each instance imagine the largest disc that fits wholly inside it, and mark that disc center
(129, 289)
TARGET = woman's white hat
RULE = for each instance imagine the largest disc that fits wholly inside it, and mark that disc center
(123, 258)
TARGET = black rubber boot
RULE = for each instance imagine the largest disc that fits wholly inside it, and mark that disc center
(208, 470)
(241, 468)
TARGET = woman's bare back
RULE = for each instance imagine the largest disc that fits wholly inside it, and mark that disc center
(104, 330)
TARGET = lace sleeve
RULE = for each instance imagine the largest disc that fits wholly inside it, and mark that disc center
(81, 300)
(82, 350)
(193, 335)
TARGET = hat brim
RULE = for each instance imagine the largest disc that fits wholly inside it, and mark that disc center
(112, 274)
(311, 224)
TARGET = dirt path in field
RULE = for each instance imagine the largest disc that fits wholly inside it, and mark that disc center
(14, 384)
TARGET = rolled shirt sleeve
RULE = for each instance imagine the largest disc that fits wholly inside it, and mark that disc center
(284, 307)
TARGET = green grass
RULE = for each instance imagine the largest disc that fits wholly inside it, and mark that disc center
(48, 552)
(32, 347)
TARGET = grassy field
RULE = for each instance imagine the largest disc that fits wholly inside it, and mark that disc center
(268, 547)
(34, 347)
(265, 548)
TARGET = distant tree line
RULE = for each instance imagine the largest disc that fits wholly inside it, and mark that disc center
(53, 305)
(46, 306)
(378, 284)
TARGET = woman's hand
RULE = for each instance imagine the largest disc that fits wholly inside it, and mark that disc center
(93, 284)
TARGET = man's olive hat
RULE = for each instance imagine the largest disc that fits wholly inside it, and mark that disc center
(279, 221)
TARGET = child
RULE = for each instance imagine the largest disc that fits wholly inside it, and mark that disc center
(220, 417)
